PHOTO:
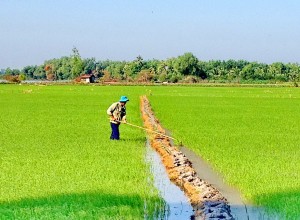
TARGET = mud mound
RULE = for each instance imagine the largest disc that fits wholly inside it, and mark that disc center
(207, 201)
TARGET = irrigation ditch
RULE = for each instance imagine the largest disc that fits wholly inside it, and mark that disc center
(206, 200)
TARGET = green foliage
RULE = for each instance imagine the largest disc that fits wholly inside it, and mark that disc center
(145, 76)
(77, 63)
(22, 77)
(57, 161)
(29, 71)
(250, 135)
(131, 69)
(39, 72)
(12, 72)
(174, 78)
(172, 69)
(187, 64)
(116, 69)
(89, 65)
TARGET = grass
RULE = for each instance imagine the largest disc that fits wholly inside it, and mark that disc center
(57, 161)
(250, 135)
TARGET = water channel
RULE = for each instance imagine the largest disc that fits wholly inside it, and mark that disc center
(240, 210)
(177, 204)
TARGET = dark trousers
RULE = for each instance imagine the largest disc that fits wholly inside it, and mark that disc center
(115, 134)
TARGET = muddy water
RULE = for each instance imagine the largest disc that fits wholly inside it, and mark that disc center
(239, 208)
(210, 196)
(177, 204)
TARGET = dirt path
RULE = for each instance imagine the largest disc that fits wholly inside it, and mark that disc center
(207, 201)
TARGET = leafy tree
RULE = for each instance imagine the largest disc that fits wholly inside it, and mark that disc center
(175, 77)
(116, 69)
(162, 71)
(152, 64)
(106, 76)
(8, 71)
(22, 77)
(89, 65)
(77, 63)
(64, 67)
(39, 72)
(233, 73)
(294, 72)
(162, 77)
(248, 71)
(13, 72)
(187, 64)
(185, 68)
(29, 71)
(131, 69)
(145, 75)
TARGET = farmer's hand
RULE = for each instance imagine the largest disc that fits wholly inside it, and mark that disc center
(112, 118)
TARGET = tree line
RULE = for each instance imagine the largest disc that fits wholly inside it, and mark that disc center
(185, 68)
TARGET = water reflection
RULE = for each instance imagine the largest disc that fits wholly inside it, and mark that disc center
(177, 204)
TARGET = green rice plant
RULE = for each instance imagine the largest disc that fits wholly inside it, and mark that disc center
(57, 161)
(249, 135)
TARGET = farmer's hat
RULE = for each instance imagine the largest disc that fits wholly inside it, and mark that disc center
(124, 99)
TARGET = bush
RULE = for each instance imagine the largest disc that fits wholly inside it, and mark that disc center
(190, 79)
(14, 79)
(22, 77)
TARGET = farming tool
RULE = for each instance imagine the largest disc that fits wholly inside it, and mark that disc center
(149, 130)
(156, 132)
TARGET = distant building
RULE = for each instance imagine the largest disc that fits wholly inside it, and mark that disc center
(87, 78)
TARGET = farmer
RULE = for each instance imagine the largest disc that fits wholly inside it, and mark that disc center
(117, 113)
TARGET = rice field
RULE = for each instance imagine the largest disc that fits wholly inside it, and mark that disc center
(57, 161)
(250, 135)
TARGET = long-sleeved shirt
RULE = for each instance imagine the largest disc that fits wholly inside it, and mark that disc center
(117, 111)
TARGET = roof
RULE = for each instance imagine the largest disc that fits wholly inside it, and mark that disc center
(86, 76)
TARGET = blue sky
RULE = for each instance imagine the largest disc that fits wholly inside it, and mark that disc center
(32, 31)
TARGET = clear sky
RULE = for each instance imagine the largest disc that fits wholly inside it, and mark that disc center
(32, 31)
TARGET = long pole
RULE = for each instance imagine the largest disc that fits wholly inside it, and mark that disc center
(146, 129)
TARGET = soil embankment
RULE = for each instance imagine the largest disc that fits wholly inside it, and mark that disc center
(176, 205)
(207, 201)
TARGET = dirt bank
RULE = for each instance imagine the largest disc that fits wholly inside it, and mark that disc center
(207, 201)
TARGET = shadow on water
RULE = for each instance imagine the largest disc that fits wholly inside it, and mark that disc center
(88, 205)
(177, 205)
